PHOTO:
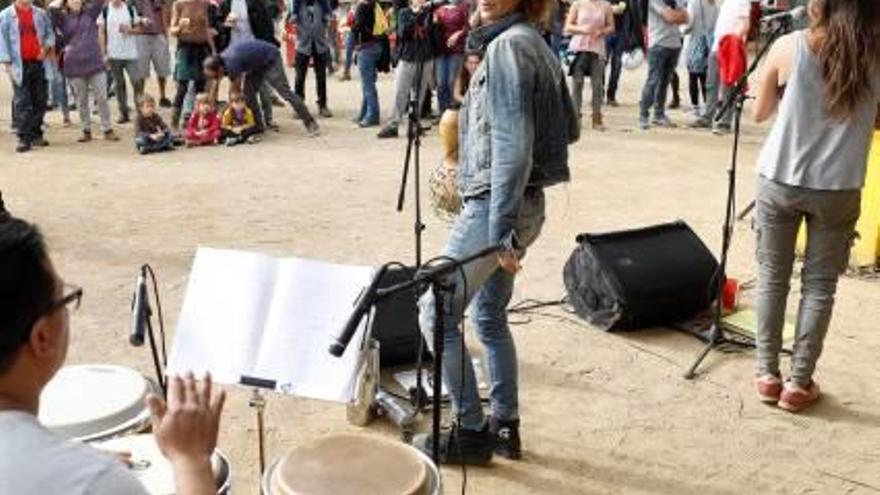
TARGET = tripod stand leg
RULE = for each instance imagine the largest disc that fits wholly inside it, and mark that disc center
(692, 372)
(748, 209)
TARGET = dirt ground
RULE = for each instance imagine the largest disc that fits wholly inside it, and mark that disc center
(602, 413)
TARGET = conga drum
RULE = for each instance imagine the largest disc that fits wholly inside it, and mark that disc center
(154, 471)
(96, 402)
(353, 465)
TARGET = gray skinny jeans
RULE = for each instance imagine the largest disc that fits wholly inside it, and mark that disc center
(404, 82)
(118, 68)
(84, 86)
(716, 93)
(830, 217)
(588, 64)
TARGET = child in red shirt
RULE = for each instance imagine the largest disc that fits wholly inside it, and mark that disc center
(203, 128)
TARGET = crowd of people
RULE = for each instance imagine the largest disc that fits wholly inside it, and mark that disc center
(79, 53)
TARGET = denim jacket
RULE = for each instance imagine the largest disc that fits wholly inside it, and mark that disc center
(10, 38)
(516, 122)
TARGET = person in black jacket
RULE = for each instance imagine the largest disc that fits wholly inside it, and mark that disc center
(247, 20)
(369, 57)
(415, 54)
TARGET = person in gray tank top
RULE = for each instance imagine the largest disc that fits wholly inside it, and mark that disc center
(812, 168)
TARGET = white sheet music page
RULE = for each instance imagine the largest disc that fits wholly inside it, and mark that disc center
(224, 314)
(311, 303)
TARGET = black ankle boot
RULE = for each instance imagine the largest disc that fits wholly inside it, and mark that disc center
(459, 446)
(506, 435)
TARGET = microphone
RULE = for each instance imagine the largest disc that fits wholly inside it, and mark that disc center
(794, 14)
(363, 304)
(140, 310)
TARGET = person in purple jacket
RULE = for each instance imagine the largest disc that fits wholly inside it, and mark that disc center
(82, 61)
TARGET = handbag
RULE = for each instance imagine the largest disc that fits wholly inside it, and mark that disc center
(698, 51)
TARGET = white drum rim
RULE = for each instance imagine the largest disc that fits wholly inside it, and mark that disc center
(435, 479)
(137, 424)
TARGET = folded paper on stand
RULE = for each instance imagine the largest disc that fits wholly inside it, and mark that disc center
(246, 314)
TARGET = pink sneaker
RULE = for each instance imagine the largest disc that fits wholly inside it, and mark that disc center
(769, 388)
(795, 398)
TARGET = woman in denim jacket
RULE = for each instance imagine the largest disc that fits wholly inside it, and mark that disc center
(516, 123)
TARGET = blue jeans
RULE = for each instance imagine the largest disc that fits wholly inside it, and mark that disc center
(349, 50)
(367, 60)
(661, 65)
(57, 87)
(447, 67)
(614, 54)
(489, 289)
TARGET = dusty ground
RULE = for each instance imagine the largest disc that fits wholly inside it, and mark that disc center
(602, 413)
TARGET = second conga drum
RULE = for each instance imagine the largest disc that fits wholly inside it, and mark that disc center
(353, 465)
(96, 402)
(151, 468)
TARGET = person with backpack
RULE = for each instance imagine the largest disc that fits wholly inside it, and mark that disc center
(824, 82)
(117, 25)
(733, 21)
(415, 62)
(371, 32)
(193, 23)
(702, 15)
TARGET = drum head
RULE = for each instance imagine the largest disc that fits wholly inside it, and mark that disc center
(95, 401)
(151, 468)
(349, 465)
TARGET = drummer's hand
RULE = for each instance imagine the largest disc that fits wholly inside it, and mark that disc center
(186, 427)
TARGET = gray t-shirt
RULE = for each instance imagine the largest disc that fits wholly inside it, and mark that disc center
(660, 32)
(806, 147)
(36, 461)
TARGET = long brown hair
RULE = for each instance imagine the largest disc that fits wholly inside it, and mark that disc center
(847, 45)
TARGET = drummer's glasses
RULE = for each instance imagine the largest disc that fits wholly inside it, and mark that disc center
(72, 300)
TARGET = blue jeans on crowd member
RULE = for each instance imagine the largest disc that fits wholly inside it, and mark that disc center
(57, 87)
(661, 65)
(447, 67)
(349, 50)
(146, 144)
(614, 58)
(489, 289)
(367, 60)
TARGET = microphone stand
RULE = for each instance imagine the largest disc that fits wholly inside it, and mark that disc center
(413, 155)
(735, 101)
(147, 316)
(436, 277)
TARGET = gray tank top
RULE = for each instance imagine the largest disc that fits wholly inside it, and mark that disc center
(806, 147)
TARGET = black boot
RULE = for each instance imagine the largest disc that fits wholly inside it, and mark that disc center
(459, 446)
(506, 435)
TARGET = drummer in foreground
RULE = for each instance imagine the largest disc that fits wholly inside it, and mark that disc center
(34, 336)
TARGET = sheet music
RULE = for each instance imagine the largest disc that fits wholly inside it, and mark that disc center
(223, 315)
(254, 315)
(312, 302)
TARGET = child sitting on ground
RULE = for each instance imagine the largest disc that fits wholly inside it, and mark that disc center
(151, 135)
(237, 123)
(203, 127)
